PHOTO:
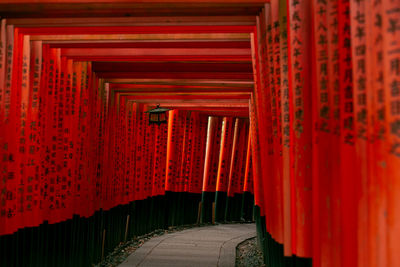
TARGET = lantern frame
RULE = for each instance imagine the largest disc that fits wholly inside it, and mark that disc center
(158, 115)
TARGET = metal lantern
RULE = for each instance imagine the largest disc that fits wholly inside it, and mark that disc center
(158, 115)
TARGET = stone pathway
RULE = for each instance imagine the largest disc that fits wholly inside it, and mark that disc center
(201, 246)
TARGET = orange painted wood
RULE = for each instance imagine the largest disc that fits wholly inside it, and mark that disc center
(377, 136)
(225, 154)
(361, 124)
(248, 178)
(73, 52)
(256, 164)
(132, 21)
(135, 30)
(391, 45)
(286, 119)
(238, 158)
(299, 50)
(212, 154)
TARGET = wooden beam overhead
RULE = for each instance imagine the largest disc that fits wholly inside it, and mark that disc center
(169, 81)
(134, 21)
(127, 8)
(177, 89)
(136, 30)
(176, 75)
(225, 41)
(144, 37)
(143, 2)
(154, 52)
(161, 44)
(171, 67)
(163, 59)
(212, 96)
(222, 113)
(194, 103)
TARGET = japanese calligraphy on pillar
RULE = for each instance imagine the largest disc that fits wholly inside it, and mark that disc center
(33, 157)
(286, 128)
(321, 36)
(300, 90)
(24, 197)
(284, 77)
(358, 44)
(199, 155)
(7, 211)
(2, 65)
(361, 123)
(3, 155)
(334, 123)
(322, 206)
(391, 58)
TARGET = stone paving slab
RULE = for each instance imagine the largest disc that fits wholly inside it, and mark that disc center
(201, 246)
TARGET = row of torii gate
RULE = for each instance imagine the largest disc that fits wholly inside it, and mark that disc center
(314, 85)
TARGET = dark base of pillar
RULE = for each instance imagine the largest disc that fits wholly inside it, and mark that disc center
(78, 241)
(233, 211)
(220, 205)
(247, 206)
(181, 208)
(272, 250)
(207, 199)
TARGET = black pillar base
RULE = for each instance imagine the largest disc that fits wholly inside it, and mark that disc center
(272, 250)
(234, 208)
(207, 198)
(247, 206)
(220, 206)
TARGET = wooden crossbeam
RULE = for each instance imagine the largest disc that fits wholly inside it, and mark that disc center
(206, 29)
(147, 37)
(134, 21)
(188, 96)
(171, 67)
(176, 75)
(128, 8)
(154, 51)
(171, 81)
(166, 58)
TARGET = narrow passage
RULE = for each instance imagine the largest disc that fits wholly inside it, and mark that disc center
(202, 246)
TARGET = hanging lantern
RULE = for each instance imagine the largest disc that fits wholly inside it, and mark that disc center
(158, 115)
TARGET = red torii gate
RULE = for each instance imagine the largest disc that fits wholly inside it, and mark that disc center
(324, 109)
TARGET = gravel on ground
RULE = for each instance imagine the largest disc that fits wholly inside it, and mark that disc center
(248, 254)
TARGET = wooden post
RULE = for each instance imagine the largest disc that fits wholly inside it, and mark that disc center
(199, 212)
(126, 228)
(213, 213)
(102, 245)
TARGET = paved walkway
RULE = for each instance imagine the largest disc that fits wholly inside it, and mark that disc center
(201, 246)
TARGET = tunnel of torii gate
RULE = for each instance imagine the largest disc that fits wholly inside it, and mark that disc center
(293, 104)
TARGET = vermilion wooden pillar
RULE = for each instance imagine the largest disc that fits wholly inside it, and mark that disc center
(171, 153)
(391, 45)
(378, 136)
(211, 166)
(299, 53)
(225, 155)
(361, 125)
(257, 178)
(235, 197)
